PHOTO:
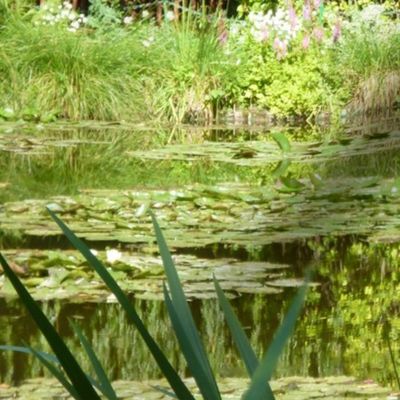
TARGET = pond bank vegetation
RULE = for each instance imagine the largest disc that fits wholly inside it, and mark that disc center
(301, 60)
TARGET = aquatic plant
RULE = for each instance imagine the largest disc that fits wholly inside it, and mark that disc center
(81, 386)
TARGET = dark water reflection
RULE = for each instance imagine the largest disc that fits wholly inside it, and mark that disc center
(340, 331)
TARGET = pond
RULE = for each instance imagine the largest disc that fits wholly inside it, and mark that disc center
(256, 207)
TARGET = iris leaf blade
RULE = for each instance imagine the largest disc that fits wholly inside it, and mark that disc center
(186, 346)
(71, 367)
(181, 307)
(258, 389)
(104, 382)
(240, 338)
(27, 350)
(169, 372)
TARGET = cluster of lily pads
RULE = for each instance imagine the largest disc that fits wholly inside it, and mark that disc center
(233, 214)
(64, 274)
(300, 388)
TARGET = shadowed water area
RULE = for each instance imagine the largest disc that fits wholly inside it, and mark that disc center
(253, 207)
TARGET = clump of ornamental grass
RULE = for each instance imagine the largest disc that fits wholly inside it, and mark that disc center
(189, 61)
(369, 59)
(10, 8)
(371, 42)
(78, 72)
(377, 95)
(77, 75)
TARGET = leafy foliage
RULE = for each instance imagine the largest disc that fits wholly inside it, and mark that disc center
(112, 67)
(299, 84)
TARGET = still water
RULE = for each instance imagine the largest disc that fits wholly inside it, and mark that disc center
(224, 197)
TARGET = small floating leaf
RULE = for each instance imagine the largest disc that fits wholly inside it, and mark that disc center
(282, 141)
(291, 184)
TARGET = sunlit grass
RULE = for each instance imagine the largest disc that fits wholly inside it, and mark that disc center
(162, 72)
(370, 61)
(76, 77)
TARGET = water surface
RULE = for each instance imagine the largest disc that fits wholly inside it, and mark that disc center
(353, 246)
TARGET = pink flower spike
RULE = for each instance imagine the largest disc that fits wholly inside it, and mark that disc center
(337, 31)
(292, 18)
(264, 34)
(307, 11)
(280, 48)
(318, 34)
(317, 3)
(283, 51)
(276, 44)
(306, 42)
(223, 37)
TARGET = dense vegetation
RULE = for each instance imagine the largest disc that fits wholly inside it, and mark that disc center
(252, 208)
(292, 59)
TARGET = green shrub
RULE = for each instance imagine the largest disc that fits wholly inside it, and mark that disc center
(300, 84)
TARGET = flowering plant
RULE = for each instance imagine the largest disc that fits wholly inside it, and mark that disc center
(286, 26)
(62, 15)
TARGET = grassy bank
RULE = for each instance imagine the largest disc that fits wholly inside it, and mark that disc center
(58, 65)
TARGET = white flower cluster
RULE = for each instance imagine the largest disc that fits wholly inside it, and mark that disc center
(63, 14)
(273, 25)
(236, 27)
(372, 12)
(169, 16)
(373, 19)
(128, 20)
(148, 42)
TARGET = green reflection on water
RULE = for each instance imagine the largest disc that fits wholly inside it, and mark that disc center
(340, 331)
(40, 164)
